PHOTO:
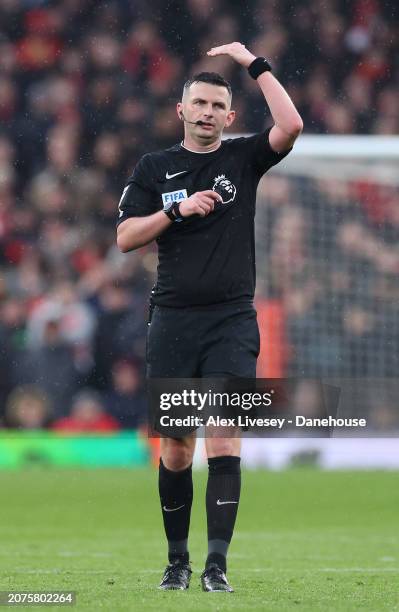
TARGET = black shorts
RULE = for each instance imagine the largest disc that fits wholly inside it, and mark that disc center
(211, 342)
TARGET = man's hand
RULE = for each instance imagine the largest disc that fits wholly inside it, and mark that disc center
(237, 52)
(200, 203)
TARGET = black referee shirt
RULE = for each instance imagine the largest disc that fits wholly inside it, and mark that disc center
(209, 260)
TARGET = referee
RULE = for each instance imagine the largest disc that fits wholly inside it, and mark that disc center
(197, 200)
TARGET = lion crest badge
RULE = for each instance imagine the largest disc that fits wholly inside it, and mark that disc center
(225, 188)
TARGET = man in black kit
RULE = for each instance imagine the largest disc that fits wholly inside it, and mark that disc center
(197, 199)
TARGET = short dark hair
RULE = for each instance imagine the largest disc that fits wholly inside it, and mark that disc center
(213, 78)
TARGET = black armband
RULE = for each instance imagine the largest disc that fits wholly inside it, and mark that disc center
(258, 67)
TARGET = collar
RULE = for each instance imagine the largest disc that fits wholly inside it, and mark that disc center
(200, 152)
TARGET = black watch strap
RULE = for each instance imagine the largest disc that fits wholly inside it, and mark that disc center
(176, 211)
(258, 67)
(169, 213)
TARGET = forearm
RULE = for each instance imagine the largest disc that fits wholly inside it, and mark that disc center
(138, 231)
(282, 109)
(288, 123)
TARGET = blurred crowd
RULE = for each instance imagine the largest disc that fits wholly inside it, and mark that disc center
(87, 87)
(332, 260)
(328, 255)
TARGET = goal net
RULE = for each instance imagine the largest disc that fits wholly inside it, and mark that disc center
(327, 231)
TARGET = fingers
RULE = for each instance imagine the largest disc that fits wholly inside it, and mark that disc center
(206, 201)
(205, 204)
(223, 49)
(200, 203)
(212, 194)
(209, 201)
(203, 209)
(217, 50)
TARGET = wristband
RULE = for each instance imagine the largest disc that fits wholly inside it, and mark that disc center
(258, 67)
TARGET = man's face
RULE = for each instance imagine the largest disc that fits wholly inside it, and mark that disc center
(210, 104)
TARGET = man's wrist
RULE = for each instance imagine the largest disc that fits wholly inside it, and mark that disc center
(250, 60)
(169, 214)
(258, 67)
(173, 212)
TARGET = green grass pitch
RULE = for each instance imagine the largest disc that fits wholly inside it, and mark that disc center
(305, 540)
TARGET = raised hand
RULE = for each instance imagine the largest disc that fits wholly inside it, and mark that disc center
(236, 50)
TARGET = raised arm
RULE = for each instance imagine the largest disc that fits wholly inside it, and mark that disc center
(287, 121)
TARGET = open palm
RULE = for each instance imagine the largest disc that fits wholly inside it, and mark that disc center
(236, 50)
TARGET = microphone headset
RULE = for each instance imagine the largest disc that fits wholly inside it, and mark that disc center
(192, 122)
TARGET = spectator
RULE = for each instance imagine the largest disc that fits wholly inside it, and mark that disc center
(28, 407)
(50, 365)
(86, 89)
(126, 400)
(87, 415)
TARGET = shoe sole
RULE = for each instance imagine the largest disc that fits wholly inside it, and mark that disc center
(173, 588)
(217, 590)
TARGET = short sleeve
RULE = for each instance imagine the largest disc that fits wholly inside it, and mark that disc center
(261, 153)
(137, 199)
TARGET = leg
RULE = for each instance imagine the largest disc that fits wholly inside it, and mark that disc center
(223, 491)
(229, 349)
(176, 493)
(171, 353)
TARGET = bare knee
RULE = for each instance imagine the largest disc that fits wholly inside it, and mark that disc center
(222, 447)
(177, 454)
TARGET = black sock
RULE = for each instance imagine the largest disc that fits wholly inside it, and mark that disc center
(222, 497)
(176, 494)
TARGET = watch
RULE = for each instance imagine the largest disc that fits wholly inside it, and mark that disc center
(172, 211)
(176, 211)
(167, 209)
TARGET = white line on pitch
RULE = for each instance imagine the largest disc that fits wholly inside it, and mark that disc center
(325, 569)
(251, 570)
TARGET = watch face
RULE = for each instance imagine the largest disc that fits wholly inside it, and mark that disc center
(168, 206)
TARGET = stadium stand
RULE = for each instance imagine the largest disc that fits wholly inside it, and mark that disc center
(87, 88)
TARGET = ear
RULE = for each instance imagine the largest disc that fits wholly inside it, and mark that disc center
(231, 115)
(179, 110)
